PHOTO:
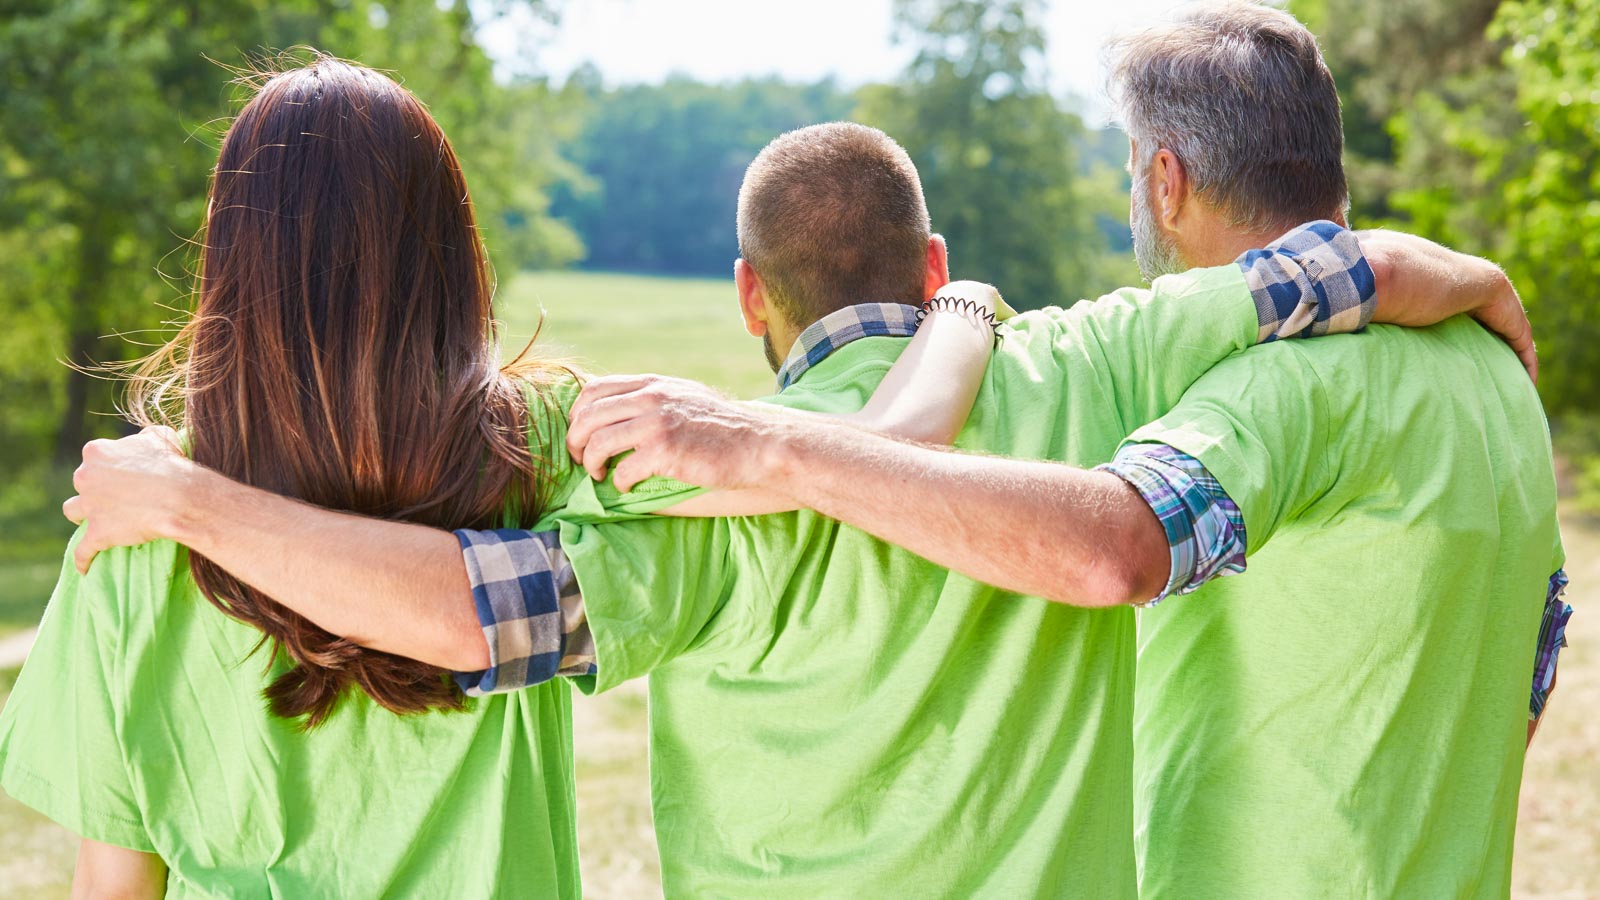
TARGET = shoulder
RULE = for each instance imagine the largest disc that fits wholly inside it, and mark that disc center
(123, 594)
(549, 390)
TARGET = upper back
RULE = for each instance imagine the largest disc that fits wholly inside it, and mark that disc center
(1352, 709)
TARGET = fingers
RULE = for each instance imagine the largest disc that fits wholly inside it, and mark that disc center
(1507, 318)
(603, 413)
(83, 555)
(613, 441)
(610, 386)
(73, 510)
(636, 468)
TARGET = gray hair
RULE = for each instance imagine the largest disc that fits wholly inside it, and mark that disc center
(1240, 94)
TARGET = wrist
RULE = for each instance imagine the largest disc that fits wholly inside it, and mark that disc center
(194, 495)
(779, 456)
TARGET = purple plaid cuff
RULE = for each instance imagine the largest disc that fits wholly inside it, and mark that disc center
(530, 608)
(1552, 637)
(1205, 530)
(1310, 282)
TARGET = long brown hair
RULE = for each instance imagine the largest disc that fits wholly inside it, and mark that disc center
(343, 351)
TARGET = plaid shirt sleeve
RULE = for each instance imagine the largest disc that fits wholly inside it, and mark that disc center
(1310, 282)
(1552, 637)
(1205, 530)
(530, 608)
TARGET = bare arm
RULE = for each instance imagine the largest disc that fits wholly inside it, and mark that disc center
(1038, 528)
(106, 872)
(387, 585)
(925, 398)
(1044, 529)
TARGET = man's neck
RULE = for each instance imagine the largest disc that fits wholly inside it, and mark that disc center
(1222, 245)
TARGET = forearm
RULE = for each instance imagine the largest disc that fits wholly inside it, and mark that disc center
(1044, 529)
(391, 586)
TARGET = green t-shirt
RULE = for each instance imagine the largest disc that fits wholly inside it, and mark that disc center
(832, 716)
(1348, 717)
(138, 721)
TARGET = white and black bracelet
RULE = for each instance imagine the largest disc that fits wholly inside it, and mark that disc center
(970, 308)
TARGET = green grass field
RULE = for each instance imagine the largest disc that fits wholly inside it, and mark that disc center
(630, 323)
(619, 323)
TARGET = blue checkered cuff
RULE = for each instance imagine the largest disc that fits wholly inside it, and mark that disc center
(1205, 530)
(530, 608)
(840, 327)
(1552, 637)
(1310, 282)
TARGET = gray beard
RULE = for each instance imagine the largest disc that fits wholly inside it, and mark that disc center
(1155, 253)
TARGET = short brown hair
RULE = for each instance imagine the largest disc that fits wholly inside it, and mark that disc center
(831, 216)
(1239, 92)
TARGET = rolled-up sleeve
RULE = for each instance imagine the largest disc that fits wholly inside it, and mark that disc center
(1204, 528)
(530, 608)
(1312, 281)
(1552, 638)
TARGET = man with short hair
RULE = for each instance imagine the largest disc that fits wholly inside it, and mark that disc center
(1350, 718)
(830, 716)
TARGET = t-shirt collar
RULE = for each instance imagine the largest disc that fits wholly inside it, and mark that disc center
(841, 327)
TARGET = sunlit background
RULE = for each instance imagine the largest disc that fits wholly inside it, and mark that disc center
(605, 140)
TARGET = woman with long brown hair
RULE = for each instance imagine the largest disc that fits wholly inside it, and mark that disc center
(342, 352)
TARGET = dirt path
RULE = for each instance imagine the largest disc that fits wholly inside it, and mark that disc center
(1558, 825)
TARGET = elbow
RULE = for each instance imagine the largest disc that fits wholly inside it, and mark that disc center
(465, 653)
(1119, 580)
(1129, 569)
(1092, 584)
(460, 646)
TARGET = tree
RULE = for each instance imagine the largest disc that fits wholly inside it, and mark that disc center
(1382, 54)
(1475, 123)
(1526, 194)
(664, 163)
(107, 136)
(995, 149)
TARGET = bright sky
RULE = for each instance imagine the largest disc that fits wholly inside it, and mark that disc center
(633, 41)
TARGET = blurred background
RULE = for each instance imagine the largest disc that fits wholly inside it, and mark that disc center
(605, 140)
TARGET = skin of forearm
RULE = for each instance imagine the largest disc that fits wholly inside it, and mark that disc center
(925, 398)
(1044, 529)
(390, 586)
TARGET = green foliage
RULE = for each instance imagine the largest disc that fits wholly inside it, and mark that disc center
(1477, 122)
(104, 159)
(996, 151)
(1382, 54)
(1506, 162)
(1577, 439)
(665, 161)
